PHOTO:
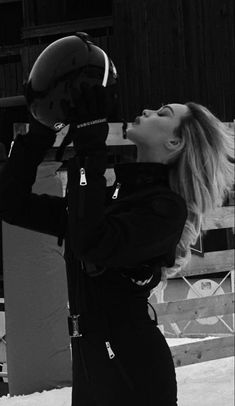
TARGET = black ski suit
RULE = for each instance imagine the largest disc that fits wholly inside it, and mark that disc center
(114, 250)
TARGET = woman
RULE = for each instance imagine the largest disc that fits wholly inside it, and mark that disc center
(200, 161)
(119, 241)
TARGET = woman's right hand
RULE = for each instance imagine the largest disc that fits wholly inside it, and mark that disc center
(40, 134)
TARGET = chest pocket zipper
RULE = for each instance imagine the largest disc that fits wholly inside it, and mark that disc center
(109, 349)
(83, 181)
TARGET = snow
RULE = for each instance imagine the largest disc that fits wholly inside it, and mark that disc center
(58, 397)
(204, 384)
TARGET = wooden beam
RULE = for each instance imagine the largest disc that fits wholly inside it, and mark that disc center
(3, 374)
(12, 101)
(67, 27)
(8, 1)
(222, 217)
(2, 351)
(212, 262)
(115, 136)
(10, 50)
(193, 309)
(202, 351)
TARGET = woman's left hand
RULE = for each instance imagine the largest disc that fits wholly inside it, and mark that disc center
(90, 138)
(89, 127)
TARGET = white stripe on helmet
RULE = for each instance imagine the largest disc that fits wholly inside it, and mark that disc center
(106, 69)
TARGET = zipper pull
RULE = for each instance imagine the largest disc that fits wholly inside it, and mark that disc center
(109, 349)
(116, 191)
(12, 144)
(83, 181)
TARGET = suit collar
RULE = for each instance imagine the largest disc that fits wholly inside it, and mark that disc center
(141, 173)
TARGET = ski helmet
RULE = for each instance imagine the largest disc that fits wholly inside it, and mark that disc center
(53, 88)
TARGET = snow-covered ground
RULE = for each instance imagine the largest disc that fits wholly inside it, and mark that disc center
(205, 384)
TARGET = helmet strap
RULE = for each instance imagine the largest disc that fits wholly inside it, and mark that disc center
(88, 123)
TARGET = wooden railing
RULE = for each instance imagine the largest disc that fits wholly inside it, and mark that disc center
(202, 351)
(47, 30)
(3, 358)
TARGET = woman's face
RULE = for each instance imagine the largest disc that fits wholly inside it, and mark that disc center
(154, 127)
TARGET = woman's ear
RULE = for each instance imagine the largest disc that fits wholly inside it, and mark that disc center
(173, 144)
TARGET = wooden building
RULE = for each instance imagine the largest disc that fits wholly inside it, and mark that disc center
(165, 51)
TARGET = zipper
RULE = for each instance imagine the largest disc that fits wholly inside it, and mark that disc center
(12, 144)
(83, 181)
(109, 349)
(116, 191)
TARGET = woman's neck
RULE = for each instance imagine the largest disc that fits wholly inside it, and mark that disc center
(145, 154)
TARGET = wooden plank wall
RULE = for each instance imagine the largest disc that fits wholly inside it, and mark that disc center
(37, 12)
(11, 78)
(165, 51)
(168, 51)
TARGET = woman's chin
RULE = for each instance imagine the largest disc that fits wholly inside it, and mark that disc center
(130, 133)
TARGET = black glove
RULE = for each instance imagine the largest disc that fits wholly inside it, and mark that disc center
(40, 134)
(89, 128)
(89, 139)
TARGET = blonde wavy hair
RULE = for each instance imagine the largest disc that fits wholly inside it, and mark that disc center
(202, 172)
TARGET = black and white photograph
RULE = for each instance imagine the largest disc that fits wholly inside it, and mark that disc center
(117, 130)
